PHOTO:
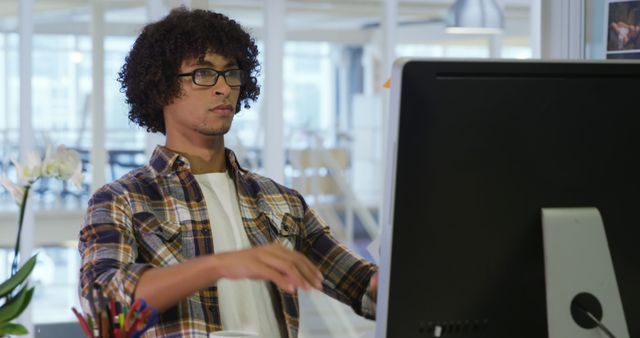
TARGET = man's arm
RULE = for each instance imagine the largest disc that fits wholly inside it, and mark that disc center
(165, 287)
(348, 277)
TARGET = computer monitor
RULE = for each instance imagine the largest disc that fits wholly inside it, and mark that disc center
(476, 150)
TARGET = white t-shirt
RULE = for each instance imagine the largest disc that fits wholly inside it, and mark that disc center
(245, 305)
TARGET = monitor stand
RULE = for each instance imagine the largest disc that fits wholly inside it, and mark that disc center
(582, 293)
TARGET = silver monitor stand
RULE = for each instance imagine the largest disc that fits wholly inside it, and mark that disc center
(583, 300)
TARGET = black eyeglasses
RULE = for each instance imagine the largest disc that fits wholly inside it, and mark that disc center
(209, 76)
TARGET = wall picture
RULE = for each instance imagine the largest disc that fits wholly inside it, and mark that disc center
(623, 29)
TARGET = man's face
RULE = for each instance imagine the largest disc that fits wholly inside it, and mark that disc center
(205, 110)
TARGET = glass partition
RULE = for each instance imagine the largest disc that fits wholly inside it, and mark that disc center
(9, 96)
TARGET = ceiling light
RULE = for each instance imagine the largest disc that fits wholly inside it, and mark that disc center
(475, 17)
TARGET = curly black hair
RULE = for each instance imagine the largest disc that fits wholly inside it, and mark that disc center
(149, 75)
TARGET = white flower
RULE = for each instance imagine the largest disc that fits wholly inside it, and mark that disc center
(68, 162)
(30, 172)
(77, 177)
(63, 163)
(50, 166)
(17, 192)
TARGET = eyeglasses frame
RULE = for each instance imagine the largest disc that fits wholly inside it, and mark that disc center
(222, 73)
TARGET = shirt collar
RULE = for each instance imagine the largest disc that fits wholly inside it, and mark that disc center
(165, 162)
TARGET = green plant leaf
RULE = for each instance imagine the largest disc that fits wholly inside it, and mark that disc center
(10, 284)
(12, 328)
(27, 299)
(14, 307)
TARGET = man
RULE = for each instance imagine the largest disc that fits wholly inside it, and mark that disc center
(209, 244)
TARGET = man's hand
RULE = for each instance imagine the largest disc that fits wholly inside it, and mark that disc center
(373, 287)
(286, 268)
(166, 286)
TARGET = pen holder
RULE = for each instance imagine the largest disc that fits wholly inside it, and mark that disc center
(115, 320)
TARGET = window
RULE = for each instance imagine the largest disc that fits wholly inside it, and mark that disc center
(309, 93)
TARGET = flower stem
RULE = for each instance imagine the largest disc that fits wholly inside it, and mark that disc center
(16, 254)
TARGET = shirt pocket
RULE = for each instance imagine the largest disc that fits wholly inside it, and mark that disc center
(285, 230)
(160, 242)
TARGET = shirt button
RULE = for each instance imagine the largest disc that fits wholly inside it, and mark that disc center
(205, 231)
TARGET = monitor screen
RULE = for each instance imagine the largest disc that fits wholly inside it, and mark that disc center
(477, 149)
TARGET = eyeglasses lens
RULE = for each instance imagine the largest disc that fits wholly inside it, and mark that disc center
(209, 77)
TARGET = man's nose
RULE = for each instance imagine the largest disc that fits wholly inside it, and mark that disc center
(221, 87)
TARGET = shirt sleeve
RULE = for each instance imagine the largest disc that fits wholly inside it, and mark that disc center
(346, 275)
(108, 249)
(368, 305)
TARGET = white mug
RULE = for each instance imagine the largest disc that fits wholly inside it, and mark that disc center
(234, 334)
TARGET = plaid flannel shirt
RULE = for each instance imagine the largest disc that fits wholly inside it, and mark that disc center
(156, 216)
